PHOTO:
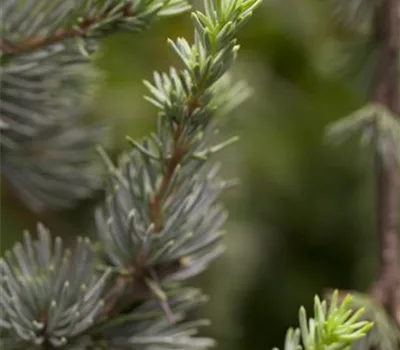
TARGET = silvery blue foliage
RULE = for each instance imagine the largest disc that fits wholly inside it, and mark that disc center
(49, 294)
(146, 328)
(189, 238)
(41, 169)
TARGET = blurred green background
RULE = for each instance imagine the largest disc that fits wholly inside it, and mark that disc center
(302, 218)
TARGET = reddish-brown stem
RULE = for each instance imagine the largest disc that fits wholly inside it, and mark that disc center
(155, 204)
(178, 152)
(81, 30)
(386, 92)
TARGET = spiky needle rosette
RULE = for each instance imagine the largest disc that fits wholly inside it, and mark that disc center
(49, 295)
(337, 325)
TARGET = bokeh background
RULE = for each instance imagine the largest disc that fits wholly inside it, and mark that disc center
(302, 218)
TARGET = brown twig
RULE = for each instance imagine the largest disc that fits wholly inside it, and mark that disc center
(178, 152)
(9, 49)
(386, 92)
(155, 204)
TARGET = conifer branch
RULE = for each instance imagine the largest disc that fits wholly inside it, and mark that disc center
(163, 182)
(99, 13)
(80, 30)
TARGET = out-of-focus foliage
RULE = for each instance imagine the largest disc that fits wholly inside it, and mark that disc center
(384, 335)
(301, 219)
